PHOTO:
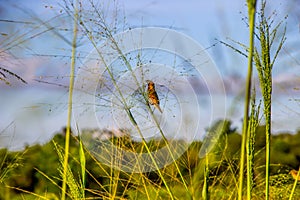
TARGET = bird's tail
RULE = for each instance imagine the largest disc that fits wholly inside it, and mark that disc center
(158, 108)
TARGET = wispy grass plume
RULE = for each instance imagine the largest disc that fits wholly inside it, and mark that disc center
(251, 133)
(264, 65)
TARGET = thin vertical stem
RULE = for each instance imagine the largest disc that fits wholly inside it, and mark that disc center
(251, 14)
(70, 100)
(205, 194)
(268, 135)
(295, 185)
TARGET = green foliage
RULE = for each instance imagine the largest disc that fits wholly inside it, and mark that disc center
(39, 166)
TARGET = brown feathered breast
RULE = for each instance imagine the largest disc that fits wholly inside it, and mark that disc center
(152, 95)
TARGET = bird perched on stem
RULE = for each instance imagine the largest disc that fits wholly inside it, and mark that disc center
(294, 174)
(152, 95)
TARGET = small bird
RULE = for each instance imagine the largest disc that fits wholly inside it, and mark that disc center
(152, 95)
(294, 174)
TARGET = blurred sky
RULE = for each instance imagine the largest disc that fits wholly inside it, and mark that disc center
(34, 112)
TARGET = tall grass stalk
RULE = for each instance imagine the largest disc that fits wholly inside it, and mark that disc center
(295, 185)
(264, 66)
(253, 123)
(152, 115)
(205, 192)
(68, 131)
(75, 191)
(109, 35)
(82, 166)
(129, 113)
(251, 15)
(129, 67)
(151, 156)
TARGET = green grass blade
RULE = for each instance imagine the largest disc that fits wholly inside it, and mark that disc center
(251, 14)
(68, 131)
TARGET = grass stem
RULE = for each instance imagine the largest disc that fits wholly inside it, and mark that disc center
(70, 98)
(251, 14)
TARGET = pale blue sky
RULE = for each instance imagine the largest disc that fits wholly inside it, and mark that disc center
(33, 112)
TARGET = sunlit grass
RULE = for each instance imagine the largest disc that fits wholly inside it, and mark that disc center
(106, 182)
(261, 56)
(251, 18)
